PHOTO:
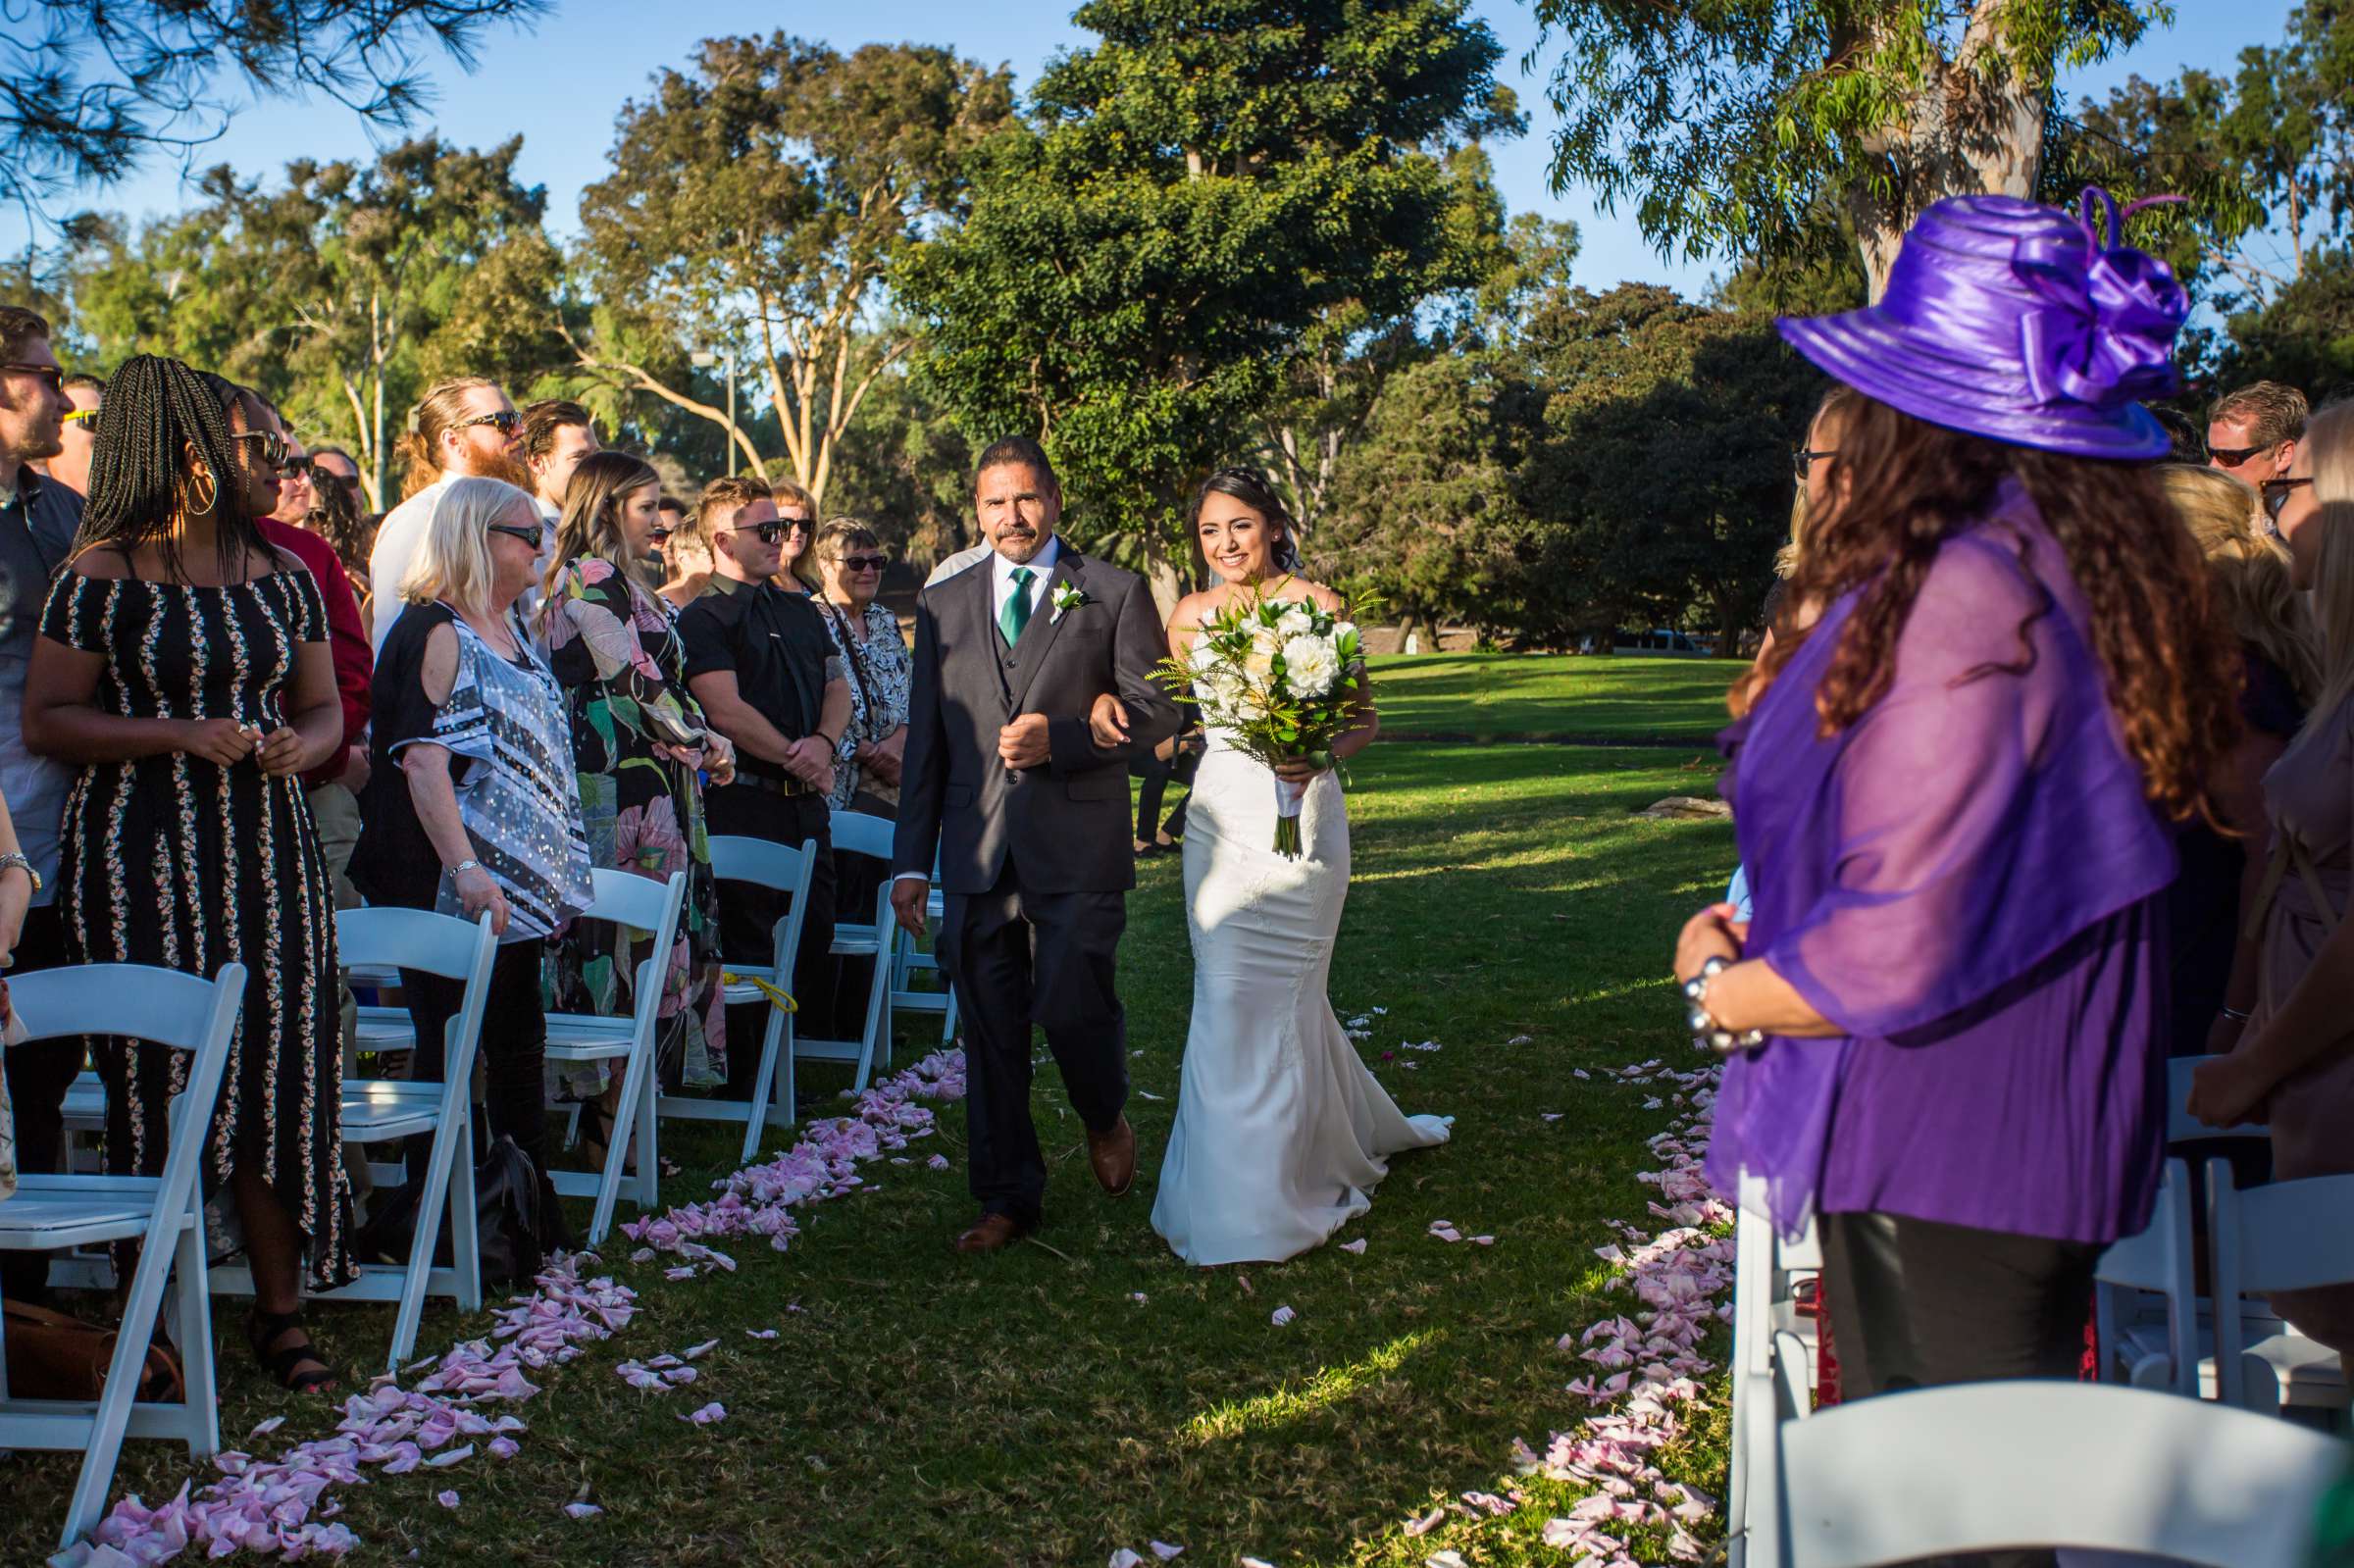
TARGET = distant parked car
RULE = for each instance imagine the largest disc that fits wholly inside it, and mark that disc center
(1660, 640)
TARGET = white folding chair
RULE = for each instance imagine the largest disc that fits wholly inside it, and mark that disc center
(378, 1110)
(1987, 1466)
(785, 869)
(857, 834)
(2288, 1235)
(2145, 1301)
(907, 961)
(157, 1009)
(639, 904)
(1771, 1339)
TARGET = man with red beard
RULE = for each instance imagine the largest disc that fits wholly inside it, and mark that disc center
(461, 428)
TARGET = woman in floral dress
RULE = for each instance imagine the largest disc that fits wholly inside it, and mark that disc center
(639, 742)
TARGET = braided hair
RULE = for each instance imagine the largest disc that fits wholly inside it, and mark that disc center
(155, 410)
(1251, 488)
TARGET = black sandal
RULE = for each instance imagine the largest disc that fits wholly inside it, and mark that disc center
(264, 1329)
(598, 1126)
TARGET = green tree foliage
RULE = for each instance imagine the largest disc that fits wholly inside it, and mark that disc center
(1733, 127)
(1657, 477)
(1195, 194)
(759, 201)
(2303, 335)
(905, 469)
(342, 293)
(88, 88)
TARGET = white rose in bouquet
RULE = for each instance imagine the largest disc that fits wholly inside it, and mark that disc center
(1260, 662)
(1295, 622)
(1310, 665)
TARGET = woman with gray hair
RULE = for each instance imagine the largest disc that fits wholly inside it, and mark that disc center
(850, 563)
(476, 806)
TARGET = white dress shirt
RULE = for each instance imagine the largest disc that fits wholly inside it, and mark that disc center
(396, 540)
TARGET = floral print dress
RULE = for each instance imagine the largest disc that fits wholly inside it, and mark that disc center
(613, 646)
(880, 672)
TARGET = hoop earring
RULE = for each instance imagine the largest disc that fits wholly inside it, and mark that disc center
(212, 492)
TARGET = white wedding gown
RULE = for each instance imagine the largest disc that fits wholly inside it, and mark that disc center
(1281, 1132)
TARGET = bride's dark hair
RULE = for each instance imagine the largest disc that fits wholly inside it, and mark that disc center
(1251, 488)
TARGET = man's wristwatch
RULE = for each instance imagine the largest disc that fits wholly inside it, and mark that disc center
(1705, 1030)
(16, 859)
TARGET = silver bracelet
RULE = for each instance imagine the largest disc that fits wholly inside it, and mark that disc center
(1705, 1030)
(2234, 1013)
(463, 867)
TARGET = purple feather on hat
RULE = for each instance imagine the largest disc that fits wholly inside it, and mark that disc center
(2017, 321)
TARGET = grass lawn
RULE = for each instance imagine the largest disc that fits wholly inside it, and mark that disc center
(1026, 1408)
(1505, 696)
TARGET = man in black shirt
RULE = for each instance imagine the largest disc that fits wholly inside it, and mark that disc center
(766, 674)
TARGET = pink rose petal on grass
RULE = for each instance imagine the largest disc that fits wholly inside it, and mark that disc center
(1164, 1552)
(686, 1273)
(937, 1162)
(451, 1456)
(1125, 1558)
(1281, 1316)
(504, 1449)
(1357, 1246)
(582, 1511)
(695, 1352)
(448, 1499)
(759, 1334)
(268, 1426)
(708, 1414)
(1427, 1524)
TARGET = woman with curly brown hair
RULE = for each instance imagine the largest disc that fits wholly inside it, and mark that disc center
(1957, 791)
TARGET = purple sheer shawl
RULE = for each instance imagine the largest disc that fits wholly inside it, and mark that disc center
(1934, 853)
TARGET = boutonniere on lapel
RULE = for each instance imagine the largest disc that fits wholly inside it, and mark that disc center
(1068, 596)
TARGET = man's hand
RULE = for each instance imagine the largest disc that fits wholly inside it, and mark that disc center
(909, 896)
(1108, 721)
(811, 761)
(1023, 742)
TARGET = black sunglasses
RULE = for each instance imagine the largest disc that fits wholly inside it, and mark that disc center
(865, 563)
(1802, 460)
(2232, 456)
(2276, 493)
(274, 447)
(507, 421)
(50, 373)
(768, 532)
(530, 536)
(798, 524)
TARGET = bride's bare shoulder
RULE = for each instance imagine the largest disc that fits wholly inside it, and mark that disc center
(1322, 597)
(1191, 609)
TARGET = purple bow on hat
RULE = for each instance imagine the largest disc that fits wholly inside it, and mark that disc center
(2105, 336)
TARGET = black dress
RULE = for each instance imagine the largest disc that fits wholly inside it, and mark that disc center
(178, 861)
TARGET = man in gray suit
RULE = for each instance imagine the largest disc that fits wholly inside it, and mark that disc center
(1028, 816)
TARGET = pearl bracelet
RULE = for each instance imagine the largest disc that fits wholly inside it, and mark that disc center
(1705, 1030)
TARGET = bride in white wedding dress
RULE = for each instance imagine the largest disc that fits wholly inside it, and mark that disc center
(1282, 1131)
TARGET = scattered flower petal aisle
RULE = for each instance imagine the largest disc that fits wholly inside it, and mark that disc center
(282, 1506)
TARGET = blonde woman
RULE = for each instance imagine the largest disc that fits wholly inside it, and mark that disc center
(487, 812)
(797, 509)
(2293, 1065)
(638, 742)
(2223, 870)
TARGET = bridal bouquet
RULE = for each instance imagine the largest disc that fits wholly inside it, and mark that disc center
(1283, 680)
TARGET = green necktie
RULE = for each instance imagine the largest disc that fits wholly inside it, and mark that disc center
(1016, 613)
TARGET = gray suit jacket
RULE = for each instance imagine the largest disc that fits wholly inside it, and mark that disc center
(1066, 825)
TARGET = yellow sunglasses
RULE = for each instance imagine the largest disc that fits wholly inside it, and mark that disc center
(80, 416)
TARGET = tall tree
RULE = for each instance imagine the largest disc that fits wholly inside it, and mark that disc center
(1661, 466)
(342, 292)
(88, 88)
(1196, 192)
(1733, 127)
(757, 204)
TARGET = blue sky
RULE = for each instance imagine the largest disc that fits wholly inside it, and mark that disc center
(562, 83)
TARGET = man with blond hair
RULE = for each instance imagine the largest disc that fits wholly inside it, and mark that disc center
(2252, 433)
(759, 662)
(462, 428)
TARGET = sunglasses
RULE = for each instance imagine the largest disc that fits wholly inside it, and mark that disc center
(865, 563)
(80, 416)
(274, 447)
(506, 419)
(50, 373)
(768, 532)
(2233, 456)
(514, 531)
(1802, 460)
(798, 524)
(2276, 493)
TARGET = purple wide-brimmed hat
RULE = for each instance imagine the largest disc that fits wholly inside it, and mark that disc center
(2018, 321)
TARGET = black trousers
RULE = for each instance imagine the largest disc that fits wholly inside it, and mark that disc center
(39, 1076)
(514, 1048)
(749, 915)
(1917, 1304)
(1022, 959)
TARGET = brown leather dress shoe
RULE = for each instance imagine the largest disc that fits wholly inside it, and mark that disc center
(990, 1231)
(1113, 1156)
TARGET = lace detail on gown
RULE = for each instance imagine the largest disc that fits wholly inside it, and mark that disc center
(1282, 1133)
